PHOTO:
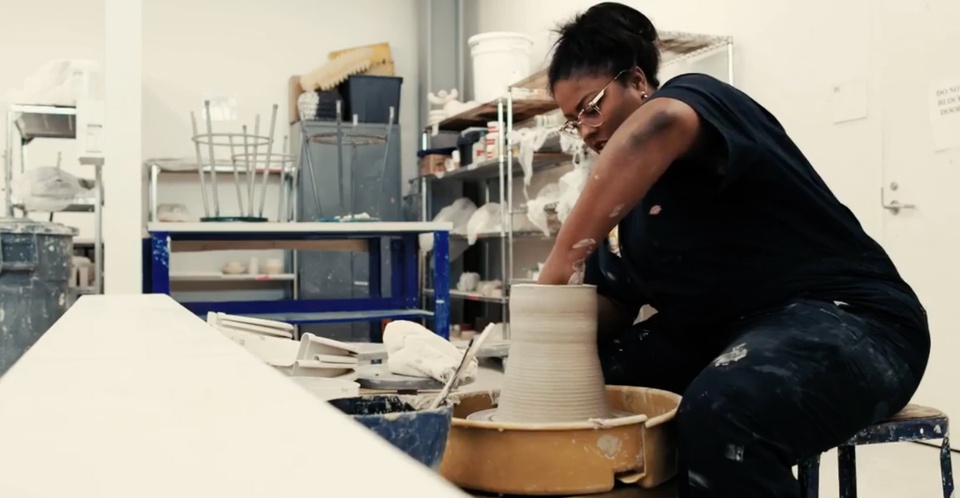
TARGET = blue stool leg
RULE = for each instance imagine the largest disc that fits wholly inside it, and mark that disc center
(809, 476)
(946, 468)
(847, 466)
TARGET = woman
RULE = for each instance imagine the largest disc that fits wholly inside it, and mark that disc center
(783, 325)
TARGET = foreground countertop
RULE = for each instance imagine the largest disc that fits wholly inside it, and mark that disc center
(135, 396)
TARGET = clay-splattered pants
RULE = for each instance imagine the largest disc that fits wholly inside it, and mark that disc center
(774, 388)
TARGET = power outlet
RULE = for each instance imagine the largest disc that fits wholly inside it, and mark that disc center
(222, 107)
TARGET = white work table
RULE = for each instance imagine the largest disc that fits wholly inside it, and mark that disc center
(134, 396)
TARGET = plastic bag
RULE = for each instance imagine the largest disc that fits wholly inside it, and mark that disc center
(531, 140)
(458, 213)
(49, 189)
(536, 212)
(59, 82)
(572, 183)
(487, 219)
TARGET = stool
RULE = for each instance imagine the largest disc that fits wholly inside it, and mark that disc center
(913, 423)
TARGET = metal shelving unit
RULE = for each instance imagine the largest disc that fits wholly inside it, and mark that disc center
(491, 176)
(470, 296)
(523, 101)
(52, 122)
(170, 166)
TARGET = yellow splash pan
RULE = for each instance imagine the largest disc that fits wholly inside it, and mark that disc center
(568, 458)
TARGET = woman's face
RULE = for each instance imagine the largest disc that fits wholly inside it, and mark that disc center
(621, 96)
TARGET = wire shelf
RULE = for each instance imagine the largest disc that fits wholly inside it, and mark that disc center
(242, 139)
(261, 159)
(348, 138)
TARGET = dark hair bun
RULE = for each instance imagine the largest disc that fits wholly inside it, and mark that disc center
(621, 18)
(607, 38)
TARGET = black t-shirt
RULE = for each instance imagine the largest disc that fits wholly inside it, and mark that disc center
(743, 225)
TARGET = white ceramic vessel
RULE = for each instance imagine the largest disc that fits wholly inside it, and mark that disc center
(554, 373)
(273, 266)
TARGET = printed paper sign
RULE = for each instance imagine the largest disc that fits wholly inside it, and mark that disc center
(945, 114)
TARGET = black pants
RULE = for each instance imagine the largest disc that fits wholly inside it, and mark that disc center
(770, 390)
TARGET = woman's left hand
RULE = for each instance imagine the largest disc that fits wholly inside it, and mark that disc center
(554, 274)
(557, 272)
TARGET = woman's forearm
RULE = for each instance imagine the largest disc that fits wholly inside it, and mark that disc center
(634, 158)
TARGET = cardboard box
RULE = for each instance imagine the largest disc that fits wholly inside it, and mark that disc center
(381, 54)
(433, 164)
(293, 93)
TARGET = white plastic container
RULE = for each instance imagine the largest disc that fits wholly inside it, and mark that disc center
(499, 60)
(491, 141)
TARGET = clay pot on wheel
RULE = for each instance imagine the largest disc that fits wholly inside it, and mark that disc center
(554, 373)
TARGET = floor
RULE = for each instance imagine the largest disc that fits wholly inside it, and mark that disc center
(903, 470)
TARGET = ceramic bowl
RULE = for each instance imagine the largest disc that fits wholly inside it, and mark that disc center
(234, 268)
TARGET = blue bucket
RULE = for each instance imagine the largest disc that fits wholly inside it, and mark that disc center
(422, 434)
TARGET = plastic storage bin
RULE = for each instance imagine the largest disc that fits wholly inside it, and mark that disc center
(465, 145)
(371, 97)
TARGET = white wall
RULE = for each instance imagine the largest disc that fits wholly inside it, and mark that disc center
(32, 33)
(791, 74)
(242, 48)
(248, 49)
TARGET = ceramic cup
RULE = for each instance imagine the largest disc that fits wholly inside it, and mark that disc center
(273, 266)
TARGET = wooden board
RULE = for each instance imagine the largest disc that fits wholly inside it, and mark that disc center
(673, 46)
(484, 113)
(491, 168)
(536, 81)
(381, 53)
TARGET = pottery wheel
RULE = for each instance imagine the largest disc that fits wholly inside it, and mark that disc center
(379, 377)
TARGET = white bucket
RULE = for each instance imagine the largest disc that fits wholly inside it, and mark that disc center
(500, 59)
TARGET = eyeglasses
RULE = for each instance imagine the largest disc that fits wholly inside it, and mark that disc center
(590, 114)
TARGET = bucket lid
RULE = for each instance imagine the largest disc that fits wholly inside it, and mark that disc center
(25, 225)
(473, 40)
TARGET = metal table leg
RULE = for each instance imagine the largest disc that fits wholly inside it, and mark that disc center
(441, 283)
(374, 283)
(160, 262)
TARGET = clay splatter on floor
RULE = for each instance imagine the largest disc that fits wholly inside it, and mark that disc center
(736, 354)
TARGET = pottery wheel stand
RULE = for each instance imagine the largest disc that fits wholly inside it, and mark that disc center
(555, 429)
(378, 378)
(247, 155)
(636, 447)
(346, 136)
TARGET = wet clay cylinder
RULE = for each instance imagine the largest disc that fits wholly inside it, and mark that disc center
(554, 371)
